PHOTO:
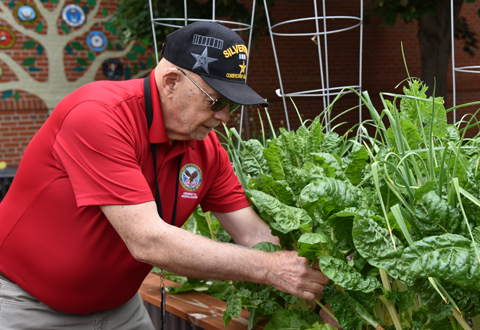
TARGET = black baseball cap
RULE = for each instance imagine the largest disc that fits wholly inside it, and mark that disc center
(217, 54)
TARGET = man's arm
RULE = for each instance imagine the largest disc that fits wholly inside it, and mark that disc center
(246, 227)
(155, 242)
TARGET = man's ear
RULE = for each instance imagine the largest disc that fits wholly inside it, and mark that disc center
(170, 80)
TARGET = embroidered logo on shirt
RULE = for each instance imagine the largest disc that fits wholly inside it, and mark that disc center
(190, 177)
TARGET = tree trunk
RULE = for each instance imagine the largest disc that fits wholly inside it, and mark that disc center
(434, 35)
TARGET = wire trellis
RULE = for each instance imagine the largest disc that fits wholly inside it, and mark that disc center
(326, 91)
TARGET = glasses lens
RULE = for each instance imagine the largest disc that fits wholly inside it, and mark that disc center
(222, 103)
(233, 106)
(219, 104)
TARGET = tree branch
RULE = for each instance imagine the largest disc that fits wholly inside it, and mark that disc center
(142, 73)
(58, 8)
(22, 76)
(41, 9)
(92, 70)
(95, 9)
(3, 7)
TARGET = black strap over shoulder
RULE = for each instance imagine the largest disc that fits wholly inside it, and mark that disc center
(149, 113)
(148, 101)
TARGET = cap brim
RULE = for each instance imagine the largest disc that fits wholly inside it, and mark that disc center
(238, 93)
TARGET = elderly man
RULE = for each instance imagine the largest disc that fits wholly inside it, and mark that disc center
(88, 214)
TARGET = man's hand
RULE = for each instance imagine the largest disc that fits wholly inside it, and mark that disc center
(292, 274)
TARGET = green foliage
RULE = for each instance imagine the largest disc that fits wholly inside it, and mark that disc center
(408, 10)
(292, 319)
(29, 61)
(65, 29)
(39, 27)
(392, 218)
(205, 224)
(91, 56)
(449, 257)
(29, 44)
(77, 46)
(81, 61)
(347, 277)
(131, 16)
(6, 94)
(132, 56)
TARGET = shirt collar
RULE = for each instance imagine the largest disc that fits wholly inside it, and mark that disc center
(158, 133)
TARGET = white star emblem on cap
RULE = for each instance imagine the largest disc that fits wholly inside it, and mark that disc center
(203, 60)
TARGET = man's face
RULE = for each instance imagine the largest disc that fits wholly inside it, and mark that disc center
(192, 118)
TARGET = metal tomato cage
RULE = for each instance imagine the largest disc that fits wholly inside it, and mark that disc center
(181, 22)
(321, 29)
(467, 69)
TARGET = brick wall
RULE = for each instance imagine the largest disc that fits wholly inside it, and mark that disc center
(382, 69)
(77, 58)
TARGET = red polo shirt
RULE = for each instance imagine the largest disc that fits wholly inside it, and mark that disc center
(94, 150)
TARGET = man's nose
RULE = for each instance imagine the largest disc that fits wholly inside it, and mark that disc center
(222, 115)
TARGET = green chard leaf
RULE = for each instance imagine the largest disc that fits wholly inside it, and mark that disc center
(467, 300)
(436, 217)
(292, 319)
(356, 160)
(275, 161)
(327, 195)
(315, 138)
(189, 284)
(308, 173)
(302, 148)
(347, 277)
(262, 300)
(472, 185)
(318, 326)
(421, 321)
(234, 308)
(221, 290)
(331, 143)
(410, 133)
(451, 134)
(342, 223)
(350, 314)
(420, 112)
(284, 218)
(253, 161)
(405, 299)
(375, 244)
(330, 163)
(314, 245)
(425, 189)
(288, 145)
(449, 257)
(278, 189)
(267, 247)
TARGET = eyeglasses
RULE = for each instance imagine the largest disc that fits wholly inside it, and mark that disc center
(217, 104)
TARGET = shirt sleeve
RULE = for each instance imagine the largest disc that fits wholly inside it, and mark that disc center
(226, 193)
(96, 148)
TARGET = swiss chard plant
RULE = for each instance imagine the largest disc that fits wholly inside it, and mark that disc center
(391, 215)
